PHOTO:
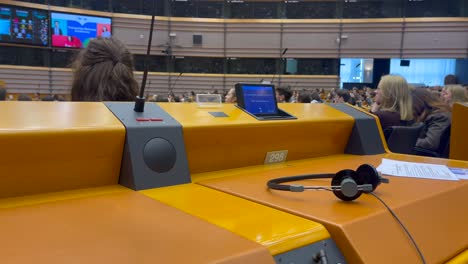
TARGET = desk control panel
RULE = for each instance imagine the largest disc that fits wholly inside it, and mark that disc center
(321, 252)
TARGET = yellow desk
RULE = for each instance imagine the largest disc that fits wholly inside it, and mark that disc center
(459, 130)
(122, 227)
(278, 231)
(435, 212)
(57, 146)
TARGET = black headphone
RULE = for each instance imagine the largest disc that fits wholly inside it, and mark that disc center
(347, 185)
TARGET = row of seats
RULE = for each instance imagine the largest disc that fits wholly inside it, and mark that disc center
(402, 139)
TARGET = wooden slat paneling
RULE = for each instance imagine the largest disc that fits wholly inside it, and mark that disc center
(23, 79)
(371, 40)
(436, 39)
(305, 38)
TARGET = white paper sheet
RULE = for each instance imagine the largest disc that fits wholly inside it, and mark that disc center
(460, 173)
(416, 170)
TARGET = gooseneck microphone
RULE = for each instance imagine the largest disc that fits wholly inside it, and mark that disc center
(281, 68)
(140, 99)
(174, 84)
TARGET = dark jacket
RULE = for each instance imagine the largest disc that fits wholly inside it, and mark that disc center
(388, 119)
(434, 126)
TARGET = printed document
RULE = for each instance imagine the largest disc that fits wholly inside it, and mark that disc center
(460, 173)
(416, 170)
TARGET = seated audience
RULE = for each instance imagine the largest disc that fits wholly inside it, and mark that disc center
(453, 94)
(231, 96)
(37, 97)
(192, 96)
(323, 95)
(450, 79)
(103, 71)
(172, 98)
(48, 98)
(393, 102)
(295, 97)
(283, 95)
(3, 94)
(24, 97)
(162, 99)
(435, 115)
(315, 98)
(342, 96)
(304, 97)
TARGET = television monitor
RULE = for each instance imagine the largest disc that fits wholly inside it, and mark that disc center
(75, 30)
(404, 63)
(259, 100)
(21, 25)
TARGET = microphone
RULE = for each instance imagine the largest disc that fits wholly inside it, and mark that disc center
(140, 100)
(281, 68)
(174, 84)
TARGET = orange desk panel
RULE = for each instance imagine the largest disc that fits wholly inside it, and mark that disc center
(57, 146)
(240, 140)
(125, 227)
(459, 132)
(435, 212)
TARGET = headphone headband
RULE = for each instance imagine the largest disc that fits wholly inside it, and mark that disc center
(346, 184)
(276, 184)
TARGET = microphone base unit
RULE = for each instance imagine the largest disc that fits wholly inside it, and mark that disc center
(154, 151)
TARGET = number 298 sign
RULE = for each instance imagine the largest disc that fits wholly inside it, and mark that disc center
(276, 156)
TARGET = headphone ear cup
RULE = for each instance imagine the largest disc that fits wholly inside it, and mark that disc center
(367, 174)
(338, 180)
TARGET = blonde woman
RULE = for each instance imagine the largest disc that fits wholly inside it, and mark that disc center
(454, 93)
(393, 102)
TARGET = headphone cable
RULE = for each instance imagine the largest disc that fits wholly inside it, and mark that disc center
(403, 226)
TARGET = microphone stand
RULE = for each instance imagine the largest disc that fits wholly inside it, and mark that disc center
(140, 99)
(281, 67)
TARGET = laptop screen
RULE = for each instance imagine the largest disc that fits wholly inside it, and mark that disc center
(259, 99)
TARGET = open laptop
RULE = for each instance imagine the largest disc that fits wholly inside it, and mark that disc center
(259, 100)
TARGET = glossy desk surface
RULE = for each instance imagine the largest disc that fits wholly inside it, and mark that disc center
(459, 131)
(56, 146)
(435, 212)
(208, 139)
(118, 227)
(191, 115)
(278, 231)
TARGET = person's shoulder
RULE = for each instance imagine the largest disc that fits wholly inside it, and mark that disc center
(384, 113)
(440, 117)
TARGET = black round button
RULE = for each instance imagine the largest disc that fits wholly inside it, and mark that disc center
(159, 155)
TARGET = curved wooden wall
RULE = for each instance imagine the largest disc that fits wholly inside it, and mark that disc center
(318, 38)
(24, 79)
(304, 38)
(259, 38)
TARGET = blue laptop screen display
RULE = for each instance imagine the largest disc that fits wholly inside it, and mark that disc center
(259, 99)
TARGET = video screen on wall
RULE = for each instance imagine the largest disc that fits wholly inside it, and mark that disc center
(75, 31)
(24, 25)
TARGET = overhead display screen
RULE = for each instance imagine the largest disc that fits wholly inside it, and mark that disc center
(24, 25)
(75, 31)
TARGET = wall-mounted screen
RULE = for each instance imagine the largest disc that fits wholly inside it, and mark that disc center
(24, 25)
(75, 31)
(424, 72)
